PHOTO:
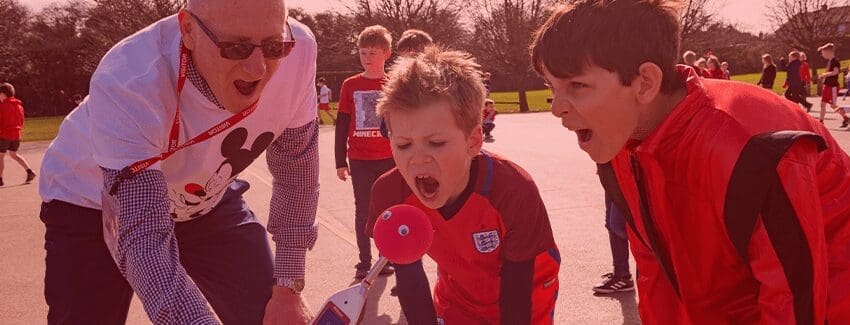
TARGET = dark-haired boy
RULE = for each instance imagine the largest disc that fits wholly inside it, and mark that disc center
(737, 201)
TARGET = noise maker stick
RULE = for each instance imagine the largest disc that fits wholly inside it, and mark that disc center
(346, 306)
(402, 234)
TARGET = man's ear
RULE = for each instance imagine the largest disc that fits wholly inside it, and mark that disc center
(187, 28)
(648, 82)
(475, 141)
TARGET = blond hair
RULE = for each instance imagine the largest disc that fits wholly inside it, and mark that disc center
(436, 75)
(375, 36)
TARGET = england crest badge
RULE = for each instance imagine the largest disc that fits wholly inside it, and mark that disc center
(486, 241)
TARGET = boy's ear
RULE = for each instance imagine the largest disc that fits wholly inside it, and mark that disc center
(475, 141)
(648, 82)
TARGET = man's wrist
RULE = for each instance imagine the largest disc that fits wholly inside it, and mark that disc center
(294, 286)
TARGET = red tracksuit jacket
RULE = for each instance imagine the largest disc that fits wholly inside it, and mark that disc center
(739, 211)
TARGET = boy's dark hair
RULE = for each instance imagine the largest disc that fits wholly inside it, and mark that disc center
(413, 40)
(8, 89)
(616, 35)
(321, 79)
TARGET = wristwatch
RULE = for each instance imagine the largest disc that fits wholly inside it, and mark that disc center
(294, 285)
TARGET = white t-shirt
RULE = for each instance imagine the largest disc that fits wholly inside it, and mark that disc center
(324, 95)
(128, 114)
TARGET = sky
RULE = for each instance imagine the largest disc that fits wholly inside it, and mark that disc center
(749, 15)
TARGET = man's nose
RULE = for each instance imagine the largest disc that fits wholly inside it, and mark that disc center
(255, 65)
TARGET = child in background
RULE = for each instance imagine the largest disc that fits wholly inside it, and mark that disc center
(726, 73)
(358, 136)
(488, 122)
(830, 83)
(11, 126)
(324, 100)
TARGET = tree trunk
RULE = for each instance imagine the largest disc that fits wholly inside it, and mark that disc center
(523, 100)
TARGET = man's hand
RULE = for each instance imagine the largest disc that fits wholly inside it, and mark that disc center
(343, 173)
(286, 307)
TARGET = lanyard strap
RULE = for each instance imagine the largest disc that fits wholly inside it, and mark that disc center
(174, 136)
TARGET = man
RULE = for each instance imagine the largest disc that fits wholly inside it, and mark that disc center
(175, 113)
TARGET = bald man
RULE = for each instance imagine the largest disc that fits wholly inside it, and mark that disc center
(140, 187)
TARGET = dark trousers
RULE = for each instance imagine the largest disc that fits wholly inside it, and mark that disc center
(615, 222)
(488, 127)
(225, 252)
(363, 175)
(797, 94)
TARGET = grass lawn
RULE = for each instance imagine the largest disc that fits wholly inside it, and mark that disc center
(45, 128)
(41, 128)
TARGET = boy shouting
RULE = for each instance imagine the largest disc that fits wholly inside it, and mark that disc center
(497, 262)
(737, 201)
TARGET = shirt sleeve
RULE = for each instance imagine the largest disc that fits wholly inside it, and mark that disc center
(346, 99)
(147, 253)
(293, 161)
(129, 121)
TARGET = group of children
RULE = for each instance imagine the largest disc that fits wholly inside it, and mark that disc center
(799, 80)
(737, 216)
(707, 67)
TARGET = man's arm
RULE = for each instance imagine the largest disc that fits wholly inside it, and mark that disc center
(147, 251)
(293, 161)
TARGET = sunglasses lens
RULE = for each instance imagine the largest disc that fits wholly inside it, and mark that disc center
(273, 50)
(236, 51)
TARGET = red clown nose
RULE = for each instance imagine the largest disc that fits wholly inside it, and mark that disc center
(403, 234)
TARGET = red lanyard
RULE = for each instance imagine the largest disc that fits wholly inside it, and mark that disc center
(174, 136)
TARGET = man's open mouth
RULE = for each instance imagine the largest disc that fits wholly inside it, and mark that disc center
(246, 88)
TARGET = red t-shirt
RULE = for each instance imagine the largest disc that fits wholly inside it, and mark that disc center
(502, 219)
(11, 119)
(359, 98)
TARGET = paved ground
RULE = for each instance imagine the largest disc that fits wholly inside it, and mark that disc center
(565, 176)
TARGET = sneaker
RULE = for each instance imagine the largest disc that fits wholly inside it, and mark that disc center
(613, 284)
(362, 269)
(30, 176)
(845, 123)
(387, 270)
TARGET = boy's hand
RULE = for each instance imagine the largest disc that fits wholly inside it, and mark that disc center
(343, 173)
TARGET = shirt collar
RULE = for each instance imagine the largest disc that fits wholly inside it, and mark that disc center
(201, 84)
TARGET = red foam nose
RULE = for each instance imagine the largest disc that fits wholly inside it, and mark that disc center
(403, 233)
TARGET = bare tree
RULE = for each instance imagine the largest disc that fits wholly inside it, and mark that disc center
(440, 18)
(807, 24)
(696, 15)
(502, 32)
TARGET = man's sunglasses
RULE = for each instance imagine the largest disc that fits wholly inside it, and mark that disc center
(272, 49)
